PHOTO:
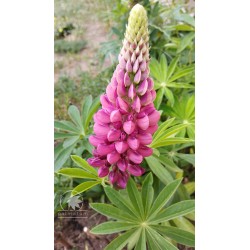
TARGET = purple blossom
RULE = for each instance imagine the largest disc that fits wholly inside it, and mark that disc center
(124, 126)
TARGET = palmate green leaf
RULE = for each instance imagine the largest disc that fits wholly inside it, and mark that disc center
(169, 95)
(158, 99)
(179, 235)
(163, 66)
(135, 197)
(120, 201)
(173, 131)
(113, 212)
(191, 132)
(66, 126)
(169, 164)
(171, 141)
(180, 73)
(185, 41)
(190, 216)
(164, 196)
(61, 135)
(161, 172)
(83, 164)
(182, 85)
(155, 70)
(121, 241)
(70, 141)
(162, 128)
(84, 187)
(185, 224)
(141, 243)
(62, 157)
(92, 110)
(76, 173)
(112, 227)
(85, 108)
(190, 158)
(74, 114)
(160, 241)
(147, 193)
(172, 67)
(134, 239)
(190, 186)
(176, 210)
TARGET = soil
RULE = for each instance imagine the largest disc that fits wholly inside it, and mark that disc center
(73, 233)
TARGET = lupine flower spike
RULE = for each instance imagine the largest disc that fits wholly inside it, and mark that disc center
(124, 126)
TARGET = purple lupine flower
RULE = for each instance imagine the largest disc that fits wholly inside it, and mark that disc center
(125, 124)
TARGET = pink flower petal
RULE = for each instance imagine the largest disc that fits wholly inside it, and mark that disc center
(154, 117)
(105, 101)
(122, 105)
(103, 171)
(152, 129)
(113, 134)
(136, 66)
(146, 98)
(122, 63)
(122, 180)
(129, 66)
(113, 157)
(96, 162)
(131, 92)
(133, 143)
(113, 176)
(153, 94)
(142, 87)
(137, 77)
(127, 81)
(120, 76)
(129, 127)
(104, 149)
(145, 138)
(121, 146)
(122, 164)
(95, 140)
(134, 156)
(115, 116)
(150, 84)
(101, 129)
(111, 93)
(121, 90)
(103, 116)
(136, 105)
(135, 170)
(145, 151)
(143, 66)
(143, 122)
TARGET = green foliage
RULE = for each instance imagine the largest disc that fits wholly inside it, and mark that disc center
(74, 133)
(165, 135)
(143, 224)
(64, 46)
(184, 113)
(167, 77)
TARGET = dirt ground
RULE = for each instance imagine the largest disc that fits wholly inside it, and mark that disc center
(94, 31)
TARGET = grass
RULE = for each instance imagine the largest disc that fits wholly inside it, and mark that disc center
(64, 46)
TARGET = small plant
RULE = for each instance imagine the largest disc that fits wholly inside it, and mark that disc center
(168, 77)
(75, 131)
(64, 46)
(144, 218)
